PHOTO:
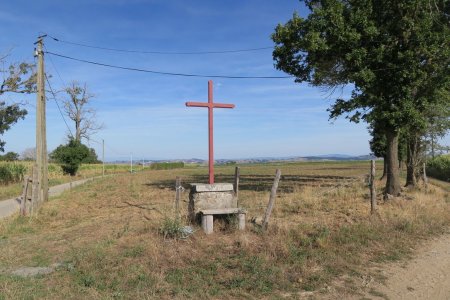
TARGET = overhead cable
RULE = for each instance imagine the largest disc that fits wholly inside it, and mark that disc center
(59, 108)
(161, 52)
(165, 73)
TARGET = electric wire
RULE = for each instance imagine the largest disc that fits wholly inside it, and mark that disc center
(165, 73)
(160, 52)
(56, 70)
(57, 104)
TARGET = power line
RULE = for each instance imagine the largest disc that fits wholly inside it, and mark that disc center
(56, 70)
(59, 108)
(160, 52)
(166, 73)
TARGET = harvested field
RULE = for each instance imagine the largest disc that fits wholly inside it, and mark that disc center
(107, 236)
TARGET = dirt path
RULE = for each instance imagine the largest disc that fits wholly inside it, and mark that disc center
(10, 206)
(426, 276)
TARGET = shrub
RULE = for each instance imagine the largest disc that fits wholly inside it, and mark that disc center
(439, 167)
(70, 156)
(171, 228)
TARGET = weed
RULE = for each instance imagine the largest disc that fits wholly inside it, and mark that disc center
(171, 228)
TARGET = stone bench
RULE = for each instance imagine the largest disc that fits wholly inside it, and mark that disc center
(208, 217)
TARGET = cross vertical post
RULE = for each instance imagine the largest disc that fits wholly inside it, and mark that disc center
(210, 105)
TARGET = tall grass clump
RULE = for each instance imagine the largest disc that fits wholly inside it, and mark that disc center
(11, 173)
(439, 167)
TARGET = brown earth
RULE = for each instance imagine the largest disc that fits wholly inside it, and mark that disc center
(426, 275)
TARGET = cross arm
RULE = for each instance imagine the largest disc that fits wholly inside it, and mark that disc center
(197, 104)
(223, 105)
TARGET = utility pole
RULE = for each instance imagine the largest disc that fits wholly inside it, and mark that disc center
(41, 135)
(103, 157)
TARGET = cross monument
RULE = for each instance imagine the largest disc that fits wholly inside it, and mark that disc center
(210, 105)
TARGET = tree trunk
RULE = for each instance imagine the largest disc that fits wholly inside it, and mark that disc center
(384, 168)
(432, 146)
(393, 178)
(413, 150)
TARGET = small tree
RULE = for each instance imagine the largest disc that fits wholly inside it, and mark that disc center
(70, 156)
(28, 154)
(76, 108)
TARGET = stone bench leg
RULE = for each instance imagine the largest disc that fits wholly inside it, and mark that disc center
(208, 223)
(241, 221)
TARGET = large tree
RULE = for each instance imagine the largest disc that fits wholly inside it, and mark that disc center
(394, 53)
(78, 110)
(17, 78)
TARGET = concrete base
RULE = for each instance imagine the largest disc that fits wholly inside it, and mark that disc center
(208, 217)
(210, 196)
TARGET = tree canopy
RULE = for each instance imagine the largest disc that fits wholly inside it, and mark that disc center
(70, 156)
(14, 82)
(394, 53)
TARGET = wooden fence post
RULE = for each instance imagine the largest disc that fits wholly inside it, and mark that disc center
(373, 193)
(35, 191)
(236, 183)
(273, 194)
(23, 203)
(177, 197)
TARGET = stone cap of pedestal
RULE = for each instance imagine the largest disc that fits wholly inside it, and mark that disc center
(215, 187)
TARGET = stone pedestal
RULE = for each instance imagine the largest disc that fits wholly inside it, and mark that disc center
(210, 196)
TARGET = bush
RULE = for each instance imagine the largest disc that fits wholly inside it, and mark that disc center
(70, 156)
(439, 167)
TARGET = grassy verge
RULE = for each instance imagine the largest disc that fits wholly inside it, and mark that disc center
(108, 235)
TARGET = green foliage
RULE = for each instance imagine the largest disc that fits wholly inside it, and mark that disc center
(70, 156)
(395, 53)
(10, 156)
(167, 165)
(171, 228)
(9, 115)
(13, 82)
(439, 167)
(11, 172)
(91, 158)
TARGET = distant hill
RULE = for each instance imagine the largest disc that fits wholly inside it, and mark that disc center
(327, 157)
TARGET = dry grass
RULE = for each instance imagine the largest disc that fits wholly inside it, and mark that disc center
(107, 234)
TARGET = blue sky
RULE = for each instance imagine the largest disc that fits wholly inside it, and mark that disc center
(145, 114)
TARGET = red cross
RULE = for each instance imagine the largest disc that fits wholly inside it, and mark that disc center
(210, 105)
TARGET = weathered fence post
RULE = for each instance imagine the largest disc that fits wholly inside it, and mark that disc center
(424, 175)
(35, 192)
(23, 203)
(236, 183)
(177, 197)
(273, 194)
(373, 193)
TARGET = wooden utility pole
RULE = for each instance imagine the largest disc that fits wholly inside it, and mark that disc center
(41, 133)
